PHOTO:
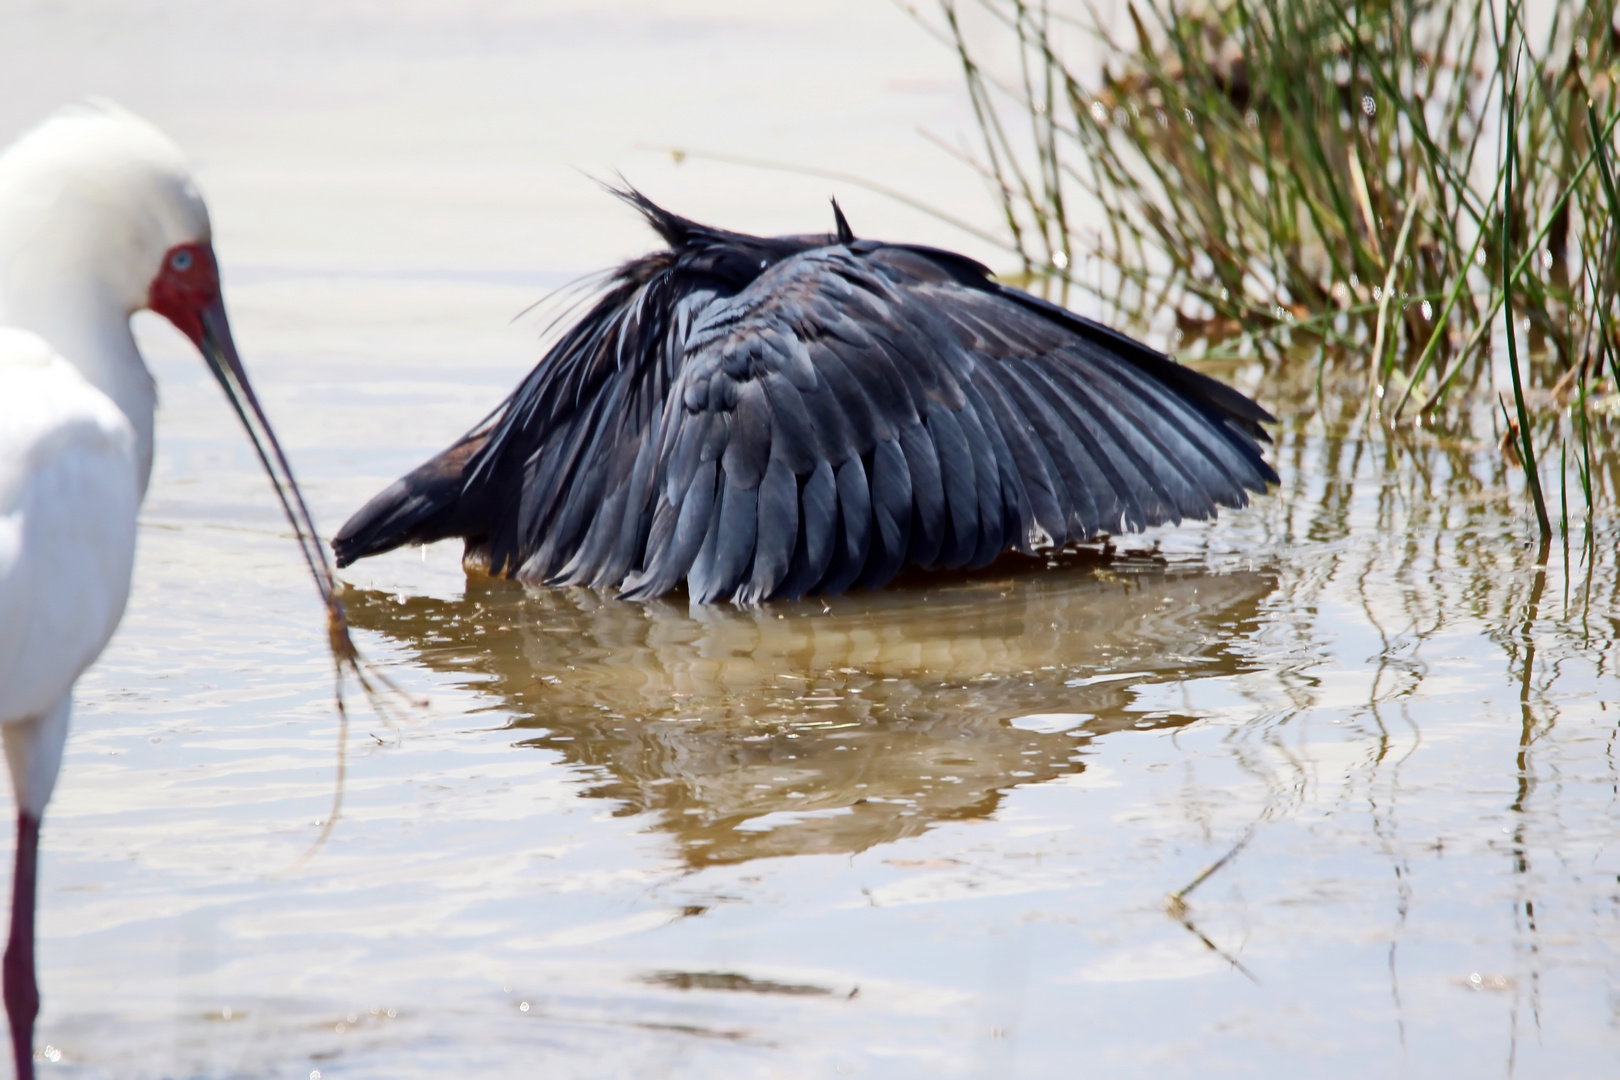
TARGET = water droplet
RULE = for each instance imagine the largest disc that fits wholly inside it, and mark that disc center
(351, 1018)
(1368, 105)
(314, 1074)
(523, 1006)
(1428, 312)
(52, 1054)
(1060, 259)
(1098, 112)
(392, 1014)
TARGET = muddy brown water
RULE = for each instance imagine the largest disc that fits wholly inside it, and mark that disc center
(929, 831)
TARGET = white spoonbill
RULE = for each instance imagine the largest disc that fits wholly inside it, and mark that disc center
(99, 219)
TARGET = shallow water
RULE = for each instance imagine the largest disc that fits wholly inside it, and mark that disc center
(929, 831)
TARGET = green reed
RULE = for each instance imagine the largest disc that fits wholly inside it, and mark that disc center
(1324, 185)
(1532, 475)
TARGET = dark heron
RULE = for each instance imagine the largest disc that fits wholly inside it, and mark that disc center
(766, 418)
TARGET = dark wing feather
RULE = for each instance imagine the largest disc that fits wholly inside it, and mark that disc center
(854, 534)
(988, 479)
(929, 518)
(869, 406)
(765, 418)
(818, 523)
(891, 495)
(734, 545)
(776, 533)
(961, 487)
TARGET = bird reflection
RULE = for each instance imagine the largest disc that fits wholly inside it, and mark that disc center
(832, 725)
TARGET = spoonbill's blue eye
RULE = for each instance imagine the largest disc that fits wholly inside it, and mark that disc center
(180, 261)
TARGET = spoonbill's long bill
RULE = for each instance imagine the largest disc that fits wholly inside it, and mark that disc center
(99, 218)
(766, 418)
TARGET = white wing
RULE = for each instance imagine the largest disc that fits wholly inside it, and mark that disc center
(68, 499)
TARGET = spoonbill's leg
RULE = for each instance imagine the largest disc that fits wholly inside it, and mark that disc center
(22, 993)
(34, 752)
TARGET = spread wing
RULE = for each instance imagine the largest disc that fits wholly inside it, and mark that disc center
(862, 406)
(770, 417)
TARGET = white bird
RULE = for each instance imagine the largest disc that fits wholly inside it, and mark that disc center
(99, 219)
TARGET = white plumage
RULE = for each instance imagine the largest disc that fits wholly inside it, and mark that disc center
(69, 490)
(99, 218)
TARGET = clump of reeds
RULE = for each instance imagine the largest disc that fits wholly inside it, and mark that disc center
(1327, 181)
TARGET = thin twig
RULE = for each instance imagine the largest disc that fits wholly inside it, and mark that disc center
(1176, 902)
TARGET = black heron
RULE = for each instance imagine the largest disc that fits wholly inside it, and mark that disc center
(764, 418)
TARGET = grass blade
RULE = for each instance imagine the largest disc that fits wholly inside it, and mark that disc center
(1527, 450)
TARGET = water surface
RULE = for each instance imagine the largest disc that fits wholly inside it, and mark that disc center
(928, 831)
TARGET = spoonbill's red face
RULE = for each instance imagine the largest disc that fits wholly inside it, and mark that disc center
(186, 287)
(186, 292)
